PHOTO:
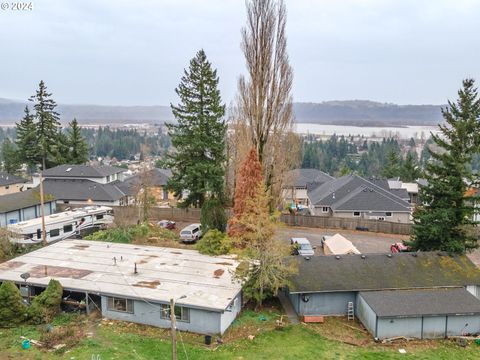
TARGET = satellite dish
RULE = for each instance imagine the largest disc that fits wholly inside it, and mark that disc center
(25, 276)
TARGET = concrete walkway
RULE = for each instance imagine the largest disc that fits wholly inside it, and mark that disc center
(288, 308)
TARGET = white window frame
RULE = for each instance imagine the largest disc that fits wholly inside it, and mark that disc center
(388, 212)
(325, 207)
(184, 313)
(357, 212)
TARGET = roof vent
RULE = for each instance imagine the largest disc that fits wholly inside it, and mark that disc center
(307, 257)
(389, 255)
(69, 169)
(414, 254)
(363, 257)
(337, 257)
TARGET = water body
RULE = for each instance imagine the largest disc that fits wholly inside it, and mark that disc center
(406, 132)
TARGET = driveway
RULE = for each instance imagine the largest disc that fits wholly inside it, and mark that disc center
(365, 242)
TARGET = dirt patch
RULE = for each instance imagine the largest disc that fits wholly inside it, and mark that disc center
(224, 263)
(41, 271)
(176, 252)
(80, 247)
(217, 273)
(147, 259)
(148, 284)
(11, 265)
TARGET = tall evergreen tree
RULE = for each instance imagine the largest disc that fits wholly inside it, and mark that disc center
(198, 162)
(77, 146)
(48, 126)
(10, 157)
(445, 219)
(27, 139)
(392, 167)
(410, 170)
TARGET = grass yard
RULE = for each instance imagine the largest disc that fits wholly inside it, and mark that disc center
(117, 340)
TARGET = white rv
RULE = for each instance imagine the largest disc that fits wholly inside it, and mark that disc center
(62, 225)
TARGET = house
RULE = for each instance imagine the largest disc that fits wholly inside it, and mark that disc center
(421, 295)
(156, 179)
(24, 205)
(10, 184)
(85, 185)
(136, 283)
(297, 181)
(352, 196)
(411, 189)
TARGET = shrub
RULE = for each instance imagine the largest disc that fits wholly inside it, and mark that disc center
(12, 308)
(213, 215)
(46, 305)
(116, 235)
(214, 243)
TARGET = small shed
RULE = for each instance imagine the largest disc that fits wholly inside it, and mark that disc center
(339, 245)
(423, 314)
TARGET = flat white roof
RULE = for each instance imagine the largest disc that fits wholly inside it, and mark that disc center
(163, 273)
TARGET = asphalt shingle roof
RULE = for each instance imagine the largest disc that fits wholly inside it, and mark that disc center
(82, 190)
(352, 192)
(85, 171)
(21, 200)
(302, 177)
(9, 179)
(410, 303)
(382, 272)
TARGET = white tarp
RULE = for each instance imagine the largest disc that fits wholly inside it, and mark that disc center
(338, 245)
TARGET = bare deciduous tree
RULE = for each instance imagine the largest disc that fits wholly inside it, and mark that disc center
(264, 103)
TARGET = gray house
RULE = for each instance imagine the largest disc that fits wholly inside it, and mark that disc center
(24, 205)
(135, 283)
(392, 294)
(352, 196)
(296, 183)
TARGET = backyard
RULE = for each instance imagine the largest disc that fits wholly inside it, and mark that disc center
(252, 336)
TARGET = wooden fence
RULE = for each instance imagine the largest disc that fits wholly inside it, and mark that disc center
(347, 224)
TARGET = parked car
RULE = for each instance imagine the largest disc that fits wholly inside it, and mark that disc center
(399, 247)
(301, 246)
(191, 233)
(166, 224)
(324, 237)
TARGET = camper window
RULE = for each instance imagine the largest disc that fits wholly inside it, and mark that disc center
(99, 217)
(68, 228)
(54, 232)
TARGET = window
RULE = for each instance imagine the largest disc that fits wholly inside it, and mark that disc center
(66, 202)
(181, 313)
(54, 232)
(232, 305)
(356, 213)
(119, 304)
(7, 187)
(325, 209)
(99, 217)
(68, 228)
(388, 214)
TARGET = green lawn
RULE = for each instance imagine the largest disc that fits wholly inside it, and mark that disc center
(123, 341)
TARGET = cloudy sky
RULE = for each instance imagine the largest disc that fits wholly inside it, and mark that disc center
(120, 52)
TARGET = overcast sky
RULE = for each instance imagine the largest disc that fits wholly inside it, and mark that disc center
(120, 52)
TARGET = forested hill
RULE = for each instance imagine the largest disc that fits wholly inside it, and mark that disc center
(355, 112)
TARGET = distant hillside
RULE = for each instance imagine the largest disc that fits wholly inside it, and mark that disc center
(356, 112)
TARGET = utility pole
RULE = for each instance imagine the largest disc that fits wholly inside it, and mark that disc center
(42, 210)
(173, 326)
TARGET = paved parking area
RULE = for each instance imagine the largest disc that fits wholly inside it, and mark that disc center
(366, 242)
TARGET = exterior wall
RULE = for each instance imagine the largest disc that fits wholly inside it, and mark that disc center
(300, 194)
(474, 290)
(31, 212)
(323, 303)
(457, 325)
(366, 315)
(86, 203)
(11, 189)
(408, 327)
(434, 327)
(201, 321)
(403, 218)
(227, 317)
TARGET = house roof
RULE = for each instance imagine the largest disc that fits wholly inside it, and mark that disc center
(383, 272)
(82, 190)
(353, 193)
(82, 171)
(9, 179)
(22, 199)
(411, 303)
(302, 177)
(154, 177)
(162, 273)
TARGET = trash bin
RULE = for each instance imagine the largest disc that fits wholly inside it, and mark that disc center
(26, 344)
(208, 339)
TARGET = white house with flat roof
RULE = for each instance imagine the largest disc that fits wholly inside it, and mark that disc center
(135, 283)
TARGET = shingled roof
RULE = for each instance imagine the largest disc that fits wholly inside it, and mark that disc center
(22, 200)
(354, 193)
(382, 272)
(410, 303)
(302, 177)
(82, 190)
(9, 179)
(82, 171)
